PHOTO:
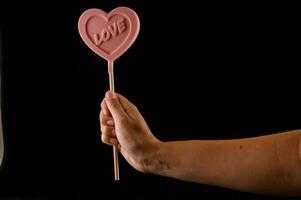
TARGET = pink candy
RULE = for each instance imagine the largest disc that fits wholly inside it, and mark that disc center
(109, 34)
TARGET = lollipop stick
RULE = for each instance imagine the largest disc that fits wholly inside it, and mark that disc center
(115, 149)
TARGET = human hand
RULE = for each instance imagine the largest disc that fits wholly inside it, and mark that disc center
(123, 125)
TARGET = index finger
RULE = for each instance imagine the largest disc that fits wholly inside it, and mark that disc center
(105, 109)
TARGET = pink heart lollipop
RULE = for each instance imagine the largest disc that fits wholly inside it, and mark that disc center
(109, 35)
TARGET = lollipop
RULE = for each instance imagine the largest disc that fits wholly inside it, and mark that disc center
(109, 35)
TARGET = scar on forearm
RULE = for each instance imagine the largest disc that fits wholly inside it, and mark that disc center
(155, 166)
(163, 166)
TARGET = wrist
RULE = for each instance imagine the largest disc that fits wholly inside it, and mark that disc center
(155, 162)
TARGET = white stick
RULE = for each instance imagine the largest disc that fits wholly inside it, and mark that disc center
(115, 148)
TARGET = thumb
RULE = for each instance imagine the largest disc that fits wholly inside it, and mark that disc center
(115, 106)
(129, 108)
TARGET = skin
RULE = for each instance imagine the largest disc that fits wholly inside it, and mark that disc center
(267, 164)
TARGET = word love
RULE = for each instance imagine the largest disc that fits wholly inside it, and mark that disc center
(109, 32)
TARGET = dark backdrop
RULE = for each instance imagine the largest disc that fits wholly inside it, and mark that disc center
(196, 71)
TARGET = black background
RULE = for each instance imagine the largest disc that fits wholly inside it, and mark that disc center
(196, 71)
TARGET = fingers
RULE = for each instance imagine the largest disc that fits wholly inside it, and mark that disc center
(115, 109)
(108, 135)
(105, 109)
(104, 120)
(107, 126)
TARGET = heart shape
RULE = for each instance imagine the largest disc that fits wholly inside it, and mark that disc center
(109, 34)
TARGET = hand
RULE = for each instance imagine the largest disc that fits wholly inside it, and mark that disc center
(123, 125)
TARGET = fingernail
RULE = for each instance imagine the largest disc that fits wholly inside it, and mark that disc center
(110, 122)
(110, 95)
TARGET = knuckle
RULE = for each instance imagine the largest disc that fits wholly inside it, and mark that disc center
(104, 138)
(102, 105)
(102, 128)
(102, 118)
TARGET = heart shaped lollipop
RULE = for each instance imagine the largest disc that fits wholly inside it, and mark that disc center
(109, 35)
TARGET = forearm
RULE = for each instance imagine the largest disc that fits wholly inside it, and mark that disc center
(269, 164)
